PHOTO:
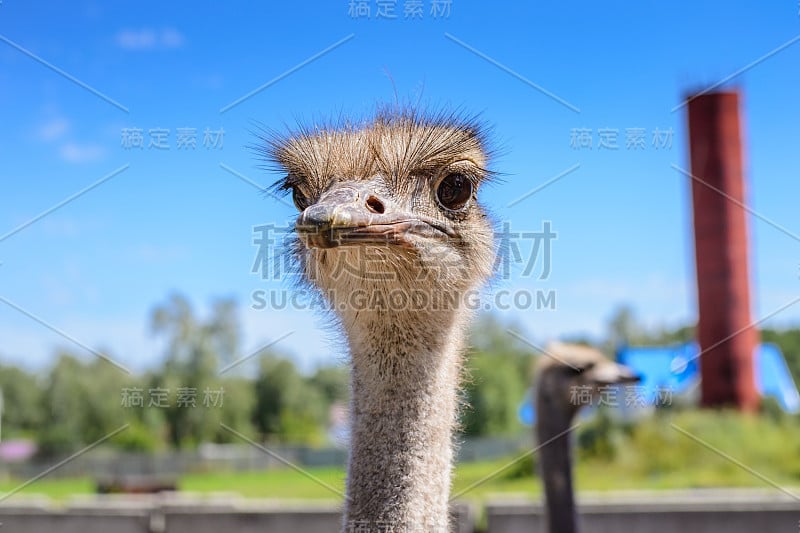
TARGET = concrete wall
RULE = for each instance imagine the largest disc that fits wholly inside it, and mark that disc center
(698, 512)
(73, 522)
(763, 514)
(143, 515)
(253, 522)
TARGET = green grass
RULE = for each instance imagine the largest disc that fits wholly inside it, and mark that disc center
(653, 454)
(283, 483)
(55, 488)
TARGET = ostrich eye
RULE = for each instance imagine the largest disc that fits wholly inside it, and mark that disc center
(300, 200)
(454, 191)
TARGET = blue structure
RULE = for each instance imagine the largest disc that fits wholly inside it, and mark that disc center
(662, 368)
(526, 412)
(676, 368)
(774, 379)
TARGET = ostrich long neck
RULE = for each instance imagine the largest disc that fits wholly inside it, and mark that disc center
(404, 385)
(552, 432)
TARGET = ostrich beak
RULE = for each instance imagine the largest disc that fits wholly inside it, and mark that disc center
(610, 373)
(356, 213)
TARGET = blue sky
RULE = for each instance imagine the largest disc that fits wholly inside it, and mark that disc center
(176, 220)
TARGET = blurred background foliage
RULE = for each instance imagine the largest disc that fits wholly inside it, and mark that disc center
(80, 398)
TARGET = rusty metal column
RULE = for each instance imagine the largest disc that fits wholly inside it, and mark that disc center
(727, 340)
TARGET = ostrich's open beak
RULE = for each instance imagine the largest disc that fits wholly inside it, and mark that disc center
(354, 213)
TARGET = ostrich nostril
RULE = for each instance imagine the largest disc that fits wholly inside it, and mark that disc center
(375, 205)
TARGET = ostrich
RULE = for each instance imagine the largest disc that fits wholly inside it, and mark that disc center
(564, 370)
(391, 233)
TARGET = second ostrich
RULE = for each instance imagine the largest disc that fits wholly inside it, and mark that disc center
(564, 370)
(391, 232)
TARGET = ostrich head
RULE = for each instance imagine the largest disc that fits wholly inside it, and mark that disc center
(389, 218)
(567, 368)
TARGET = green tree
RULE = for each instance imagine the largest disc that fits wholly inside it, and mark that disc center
(287, 407)
(789, 342)
(333, 382)
(493, 395)
(498, 372)
(194, 350)
(81, 403)
(22, 393)
(235, 407)
(623, 328)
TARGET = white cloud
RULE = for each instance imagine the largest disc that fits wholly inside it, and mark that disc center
(136, 39)
(149, 39)
(171, 38)
(53, 129)
(81, 153)
(57, 129)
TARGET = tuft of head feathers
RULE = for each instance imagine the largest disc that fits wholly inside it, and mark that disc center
(397, 143)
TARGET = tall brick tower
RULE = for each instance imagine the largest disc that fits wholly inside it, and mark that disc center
(727, 340)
